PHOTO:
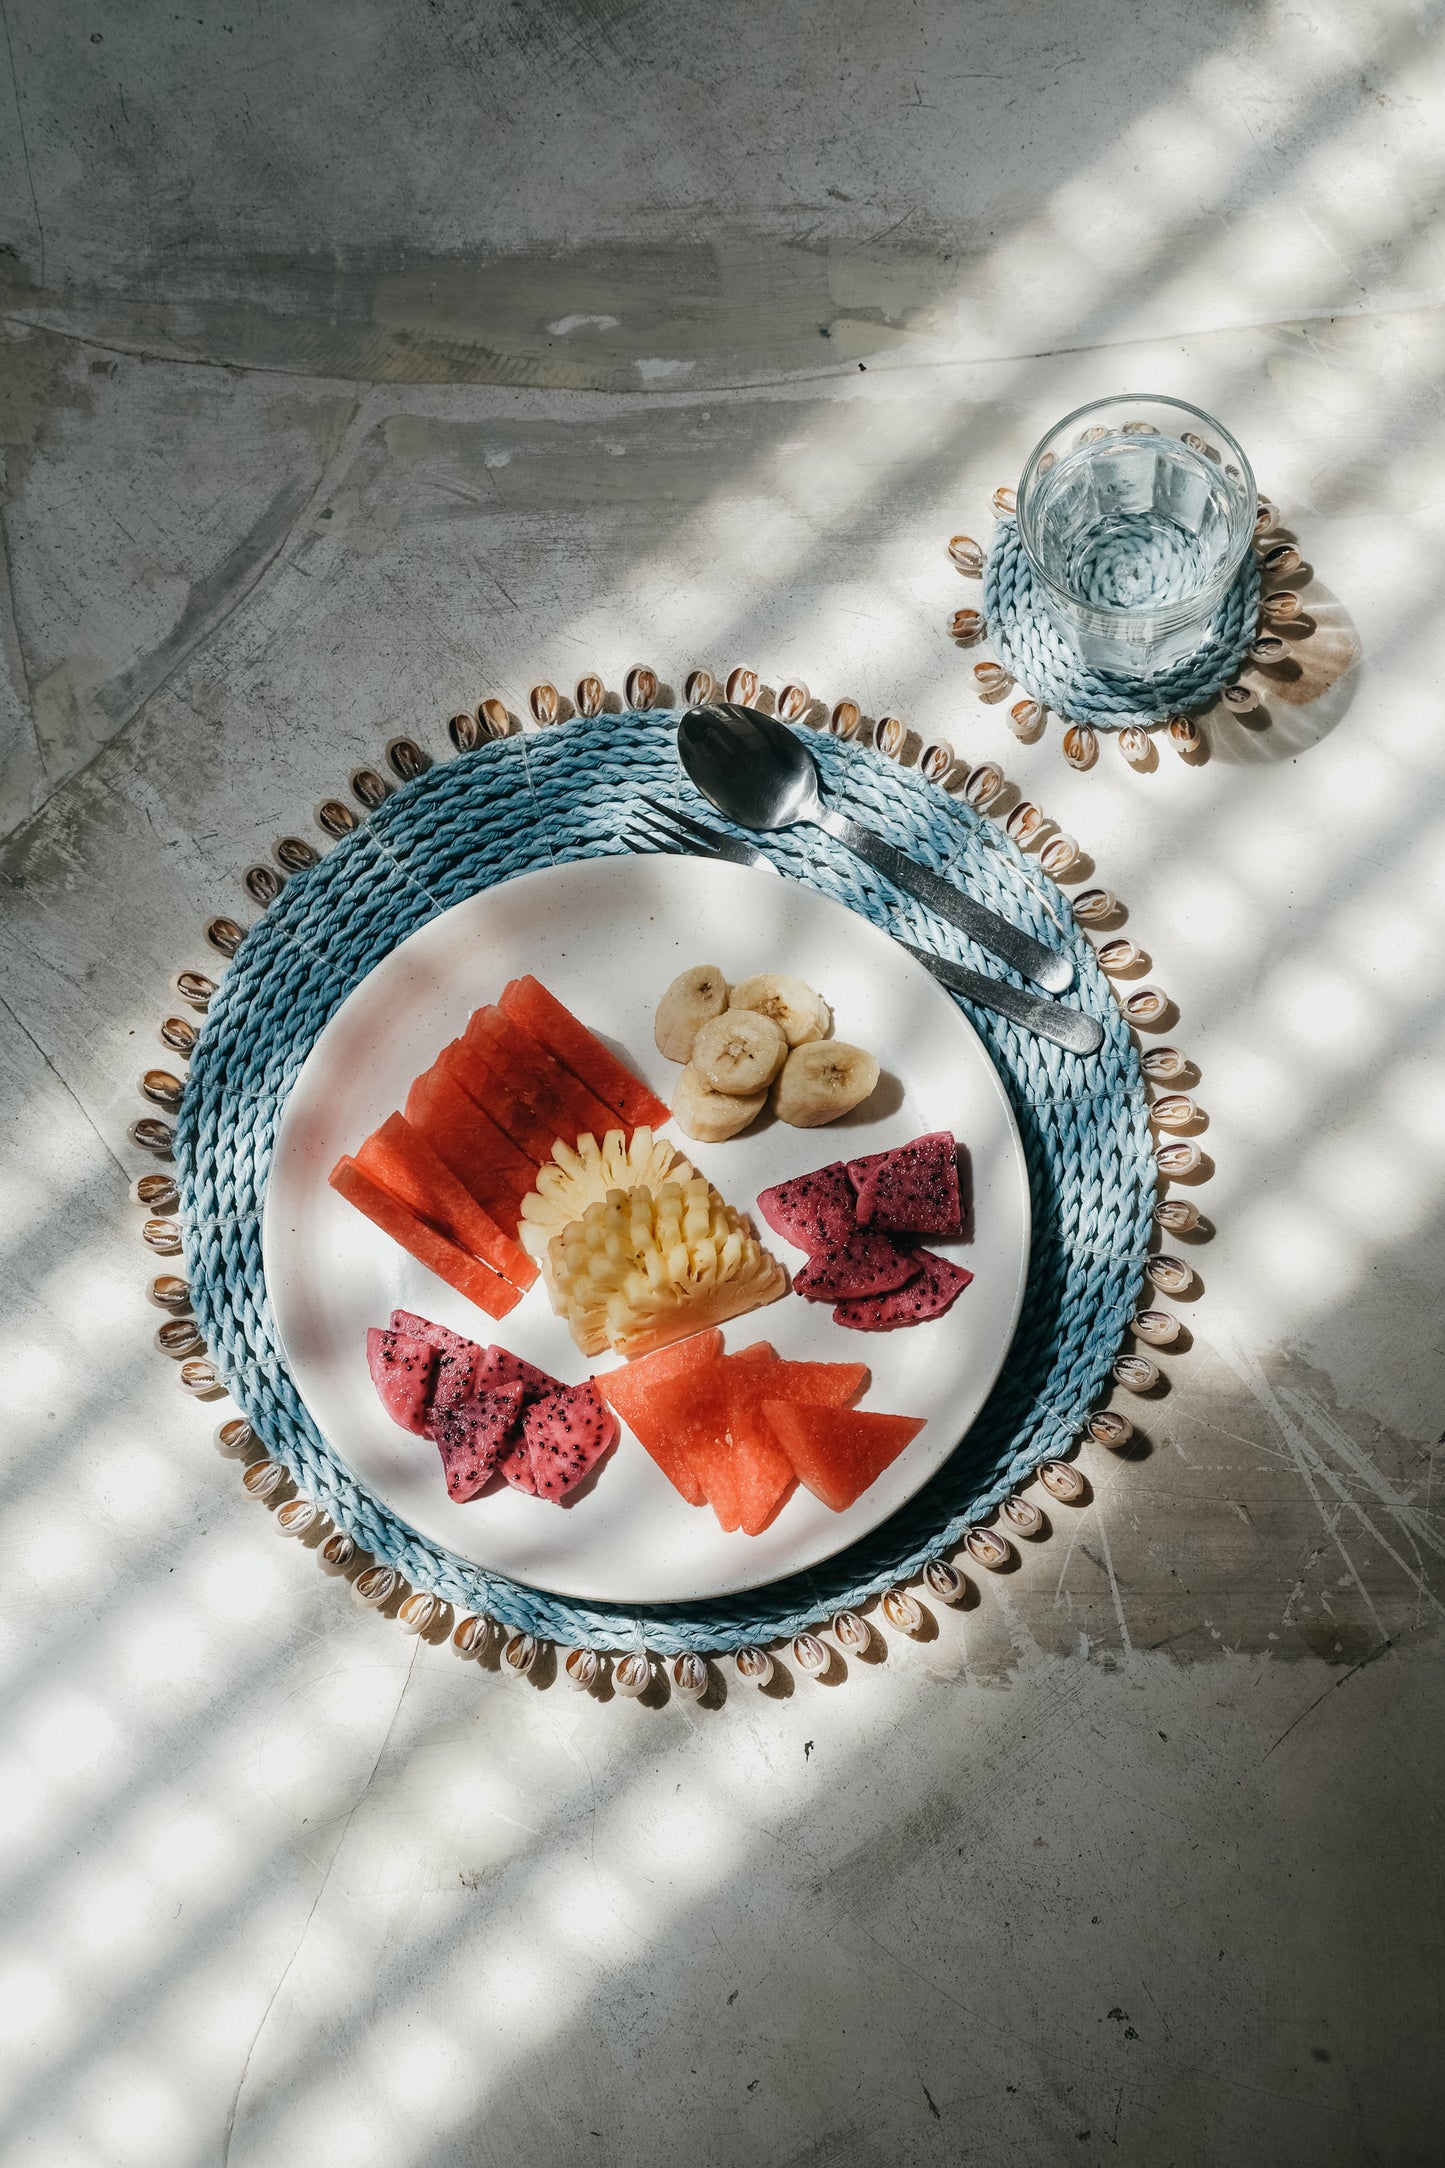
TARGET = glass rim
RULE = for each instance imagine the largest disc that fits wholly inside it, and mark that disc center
(1114, 613)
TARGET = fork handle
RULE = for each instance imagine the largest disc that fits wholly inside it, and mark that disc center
(1054, 1020)
(1030, 958)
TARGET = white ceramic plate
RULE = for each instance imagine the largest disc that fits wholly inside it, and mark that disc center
(606, 935)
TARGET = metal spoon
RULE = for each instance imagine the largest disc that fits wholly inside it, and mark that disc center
(761, 775)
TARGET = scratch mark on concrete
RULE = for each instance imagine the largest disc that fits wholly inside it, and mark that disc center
(213, 601)
(290, 1963)
(1109, 1570)
(1314, 1472)
(1333, 1687)
(24, 146)
(70, 1095)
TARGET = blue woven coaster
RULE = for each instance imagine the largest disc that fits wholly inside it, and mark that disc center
(1034, 652)
(570, 792)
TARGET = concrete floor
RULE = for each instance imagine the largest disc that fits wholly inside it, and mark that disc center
(361, 360)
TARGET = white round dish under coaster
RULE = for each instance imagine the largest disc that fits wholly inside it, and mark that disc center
(607, 935)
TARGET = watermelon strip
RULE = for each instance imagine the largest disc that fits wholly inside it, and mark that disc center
(483, 1160)
(530, 1004)
(553, 1093)
(487, 1289)
(400, 1159)
(465, 1064)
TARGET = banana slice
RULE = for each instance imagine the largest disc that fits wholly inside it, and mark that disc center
(693, 997)
(822, 1080)
(710, 1116)
(799, 1013)
(739, 1052)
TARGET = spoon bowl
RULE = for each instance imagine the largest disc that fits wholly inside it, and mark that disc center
(753, 768)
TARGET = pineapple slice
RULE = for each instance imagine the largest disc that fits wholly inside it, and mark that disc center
(641, 1267)
(572, 1180)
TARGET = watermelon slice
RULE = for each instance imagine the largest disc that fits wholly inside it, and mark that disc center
(401, 1160)
(815, 1211)
(693, 1405)
(463, 1063)
(472, 1436)
(554, 1094)
(912, 1190)
(761, 1472)
(529, 1004)
(839, 1452)
(566, 1434)
(481, 1157)
(866, 1264)
(401, 1367)
(825, 1385)
(937, 1287)
(487, 1289)
(629, 1392)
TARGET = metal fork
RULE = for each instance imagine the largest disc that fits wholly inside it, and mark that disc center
(668, 828)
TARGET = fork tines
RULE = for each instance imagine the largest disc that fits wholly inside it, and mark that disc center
(678, 831)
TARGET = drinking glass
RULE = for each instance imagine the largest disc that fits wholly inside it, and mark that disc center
(1135, 514)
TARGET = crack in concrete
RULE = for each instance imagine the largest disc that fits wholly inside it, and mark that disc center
(78, 1104)
(288, 1967)
(214, 600)
(24, 145)
(1333, 1687)
(699, 392)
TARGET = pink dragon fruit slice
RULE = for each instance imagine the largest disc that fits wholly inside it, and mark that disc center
(937, 1287)
(866, 1264)
(401, 1369)
(815, 1211)
(516, 1466)
(912, 1190)
(472, 1436)
(567, 1434)
(441, 1337)
(457, 1359)
(499, 1366)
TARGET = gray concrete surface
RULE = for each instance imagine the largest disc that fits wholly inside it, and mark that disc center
(362, 360)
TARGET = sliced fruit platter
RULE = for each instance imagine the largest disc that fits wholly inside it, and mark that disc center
(542, 1172)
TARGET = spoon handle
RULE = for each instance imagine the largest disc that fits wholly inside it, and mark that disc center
(1067, 1027)
(1045, 966)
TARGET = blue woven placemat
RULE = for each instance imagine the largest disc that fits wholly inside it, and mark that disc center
(569, 792)
(1035, 654)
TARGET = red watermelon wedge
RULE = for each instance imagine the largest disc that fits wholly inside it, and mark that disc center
(482, 1085)
(681, 1418)
(553, 1093)
(401, 1160)
(838, 1452)
(762, 1474)
(440, 1255)
(485, 1161)
(829, 1385)
(529, 1003)
(629, 1391)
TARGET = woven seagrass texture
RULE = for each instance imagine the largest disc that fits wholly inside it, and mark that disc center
(1032, 649)
(570, 792)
